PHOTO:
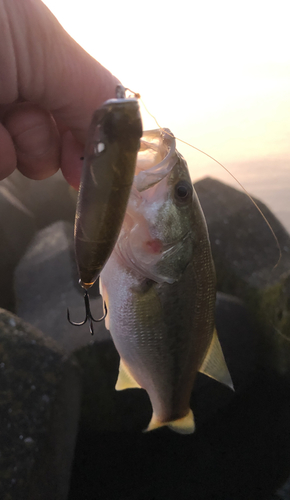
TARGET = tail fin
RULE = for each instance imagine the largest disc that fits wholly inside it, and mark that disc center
(184, 425)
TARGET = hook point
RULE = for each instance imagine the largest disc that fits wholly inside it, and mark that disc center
(89, 315)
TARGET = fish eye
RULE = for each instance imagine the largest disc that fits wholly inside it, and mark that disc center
(182, 191)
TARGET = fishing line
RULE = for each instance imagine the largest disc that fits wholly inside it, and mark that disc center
(226, 169)
(280, 333)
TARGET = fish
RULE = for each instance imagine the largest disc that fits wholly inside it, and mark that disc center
(110, 156)
(159, 287)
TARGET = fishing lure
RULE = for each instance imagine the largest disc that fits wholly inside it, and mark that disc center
(107, 176)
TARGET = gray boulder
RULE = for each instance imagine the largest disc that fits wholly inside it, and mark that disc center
(243, 246)
(27, 205)
(245, 255)
(273, 314)
(17, 228)
(240, 449)
(39, 411)
(48, 200)
(283, 493)
(46, 284)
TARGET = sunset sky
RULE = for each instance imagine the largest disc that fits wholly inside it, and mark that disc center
(216, 73)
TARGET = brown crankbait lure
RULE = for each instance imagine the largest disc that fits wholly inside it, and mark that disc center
(107, 176)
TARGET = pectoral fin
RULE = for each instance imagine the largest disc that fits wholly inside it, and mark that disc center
(214, 364)
(184, 425)
(125, 379)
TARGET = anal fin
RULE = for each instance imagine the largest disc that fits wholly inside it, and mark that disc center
(125, 379)
(214, 364)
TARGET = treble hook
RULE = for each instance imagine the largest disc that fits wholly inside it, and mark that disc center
(89, 315)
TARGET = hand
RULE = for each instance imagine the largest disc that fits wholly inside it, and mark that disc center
(49, 89)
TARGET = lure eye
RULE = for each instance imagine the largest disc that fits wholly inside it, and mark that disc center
(99, 148)
(182, 191)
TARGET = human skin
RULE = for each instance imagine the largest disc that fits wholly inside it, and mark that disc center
(49, 88)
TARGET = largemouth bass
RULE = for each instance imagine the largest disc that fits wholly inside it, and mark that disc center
(159, 287)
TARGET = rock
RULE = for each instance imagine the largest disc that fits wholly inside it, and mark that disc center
(27, 205)
(48, 200)
(17, 227)
(283, 493)
(39, 408)
(273, 313)
(241, 452)
(245, 254)
(240, 449)
(46, 284)
(237, 336)
(243, 246)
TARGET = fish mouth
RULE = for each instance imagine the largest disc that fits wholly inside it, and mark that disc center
(156, 158)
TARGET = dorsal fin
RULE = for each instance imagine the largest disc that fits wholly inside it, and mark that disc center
(214, 364)
(125, 379)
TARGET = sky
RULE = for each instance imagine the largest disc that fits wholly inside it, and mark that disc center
(216, 73)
